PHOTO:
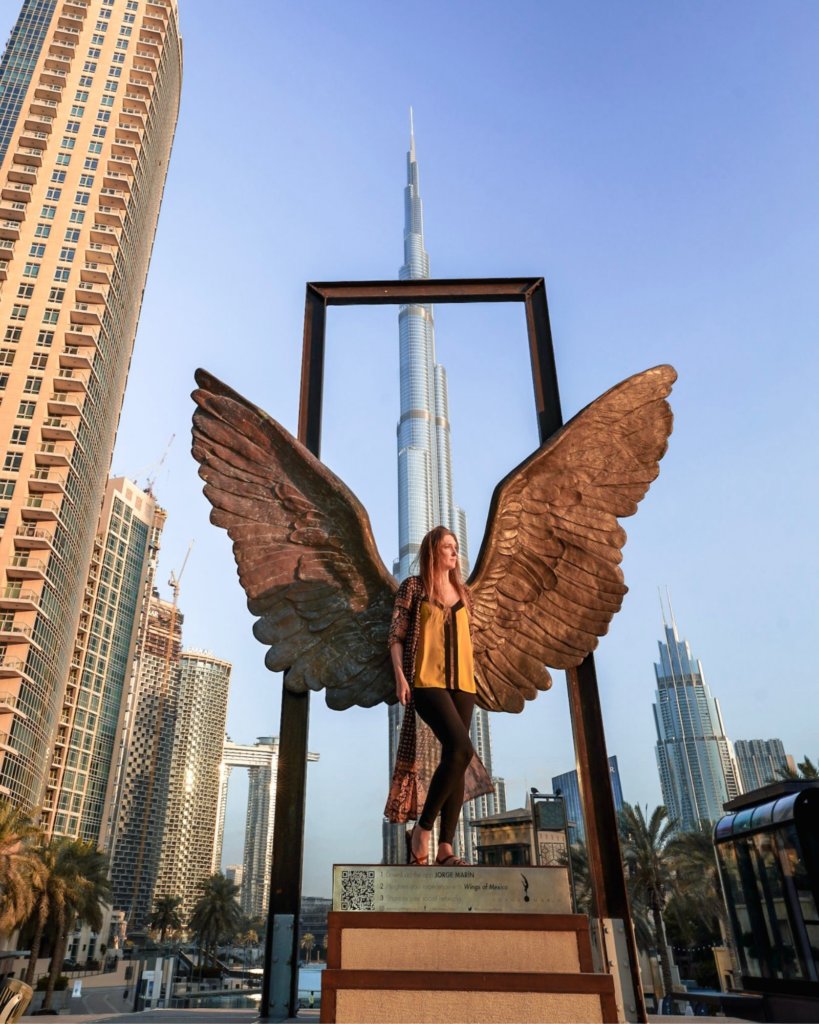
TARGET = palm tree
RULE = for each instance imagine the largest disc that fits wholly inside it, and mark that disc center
(216, 913)
(308, 940)
(804, 770)
(20, 867)
(648, 871)
(79, 888)
(165, 917)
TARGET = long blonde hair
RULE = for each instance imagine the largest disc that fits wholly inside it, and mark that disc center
(428, 557)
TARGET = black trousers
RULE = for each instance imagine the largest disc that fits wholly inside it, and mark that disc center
(448, 713)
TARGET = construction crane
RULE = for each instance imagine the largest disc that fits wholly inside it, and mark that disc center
(149, 483)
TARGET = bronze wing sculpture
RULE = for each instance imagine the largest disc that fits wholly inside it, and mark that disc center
(546, 584)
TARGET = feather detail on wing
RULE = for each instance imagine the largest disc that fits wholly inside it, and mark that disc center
(547, 581)
(304, 550)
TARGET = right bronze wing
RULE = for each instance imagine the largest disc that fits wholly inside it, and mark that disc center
(304, 551)
(547, 581)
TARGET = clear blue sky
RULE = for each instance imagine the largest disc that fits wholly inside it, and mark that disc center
(658, 165)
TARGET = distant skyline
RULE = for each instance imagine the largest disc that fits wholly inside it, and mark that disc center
(658, 165)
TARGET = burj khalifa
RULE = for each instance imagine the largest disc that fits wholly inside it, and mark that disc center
(425, 479)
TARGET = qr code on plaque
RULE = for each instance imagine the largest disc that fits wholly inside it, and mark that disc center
(357, 890)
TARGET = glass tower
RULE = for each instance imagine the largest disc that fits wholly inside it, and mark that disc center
(760, 762)
(425, 497)
(695, 758)
(568, 786)
(191, 816)
(18, 63)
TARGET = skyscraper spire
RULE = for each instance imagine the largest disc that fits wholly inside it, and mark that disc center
(424, 463)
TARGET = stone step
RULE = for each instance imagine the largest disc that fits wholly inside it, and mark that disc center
(513, 943)
(407, 997)
(481, 967)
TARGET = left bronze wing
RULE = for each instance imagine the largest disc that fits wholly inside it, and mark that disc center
(547, 581)
(304, 550)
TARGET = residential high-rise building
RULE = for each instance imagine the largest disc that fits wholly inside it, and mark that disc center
(425, 497)
(695, 758)
(760, 762)
(89, 96)
(568, 786)
(79, 787)
(136, 832)
(262, 762)
(191, 817)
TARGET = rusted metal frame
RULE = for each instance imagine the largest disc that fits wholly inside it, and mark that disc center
(608, 882)
(291, 782)
(591, 756)
(370, 293)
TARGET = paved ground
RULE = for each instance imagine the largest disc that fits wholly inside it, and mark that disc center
(247, 1016)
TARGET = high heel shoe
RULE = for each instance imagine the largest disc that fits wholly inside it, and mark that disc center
(413, 860)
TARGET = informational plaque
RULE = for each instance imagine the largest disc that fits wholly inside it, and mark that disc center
(464, 890)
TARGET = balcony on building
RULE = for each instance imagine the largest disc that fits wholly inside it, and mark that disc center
(71, 380)
(132, 118)
(117, 181)
(156, 10)
(68, 19)
(53, 454)
(10, 230)
(153, 29)
(29, 156)
(128, 135)
(136, 103)
(14, 633)
(110, 217)
(75, 9)
(62, 404)
(9, 704)
(6, 249)
(81, 336)
(121, 167)
(16, 597)
(83, 313)
(71, 358)
(24, 567)
(149, 47)
(125, 147)
(16, 192)
(46, 481)
(91, 294)
(56, 429)
(102, 234)
(50, 76)
(33, 538)
(58, 62)
(101, 252)
(23, 172)
(13, 211)
(11, 667)
(92, 272)
(140, 87)
(147, 72)
(44, 106)
(38, 509)
(48, 91)
(147, 59)
(113, 197)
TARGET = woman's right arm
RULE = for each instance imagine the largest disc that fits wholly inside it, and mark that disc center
(399, 626)
(402, 689)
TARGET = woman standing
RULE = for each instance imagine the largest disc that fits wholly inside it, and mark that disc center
(431, 649)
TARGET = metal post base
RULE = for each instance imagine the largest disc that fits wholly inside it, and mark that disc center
(281, 967)
(618, 965)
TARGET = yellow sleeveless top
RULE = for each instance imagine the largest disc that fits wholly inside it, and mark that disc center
(443, 659)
